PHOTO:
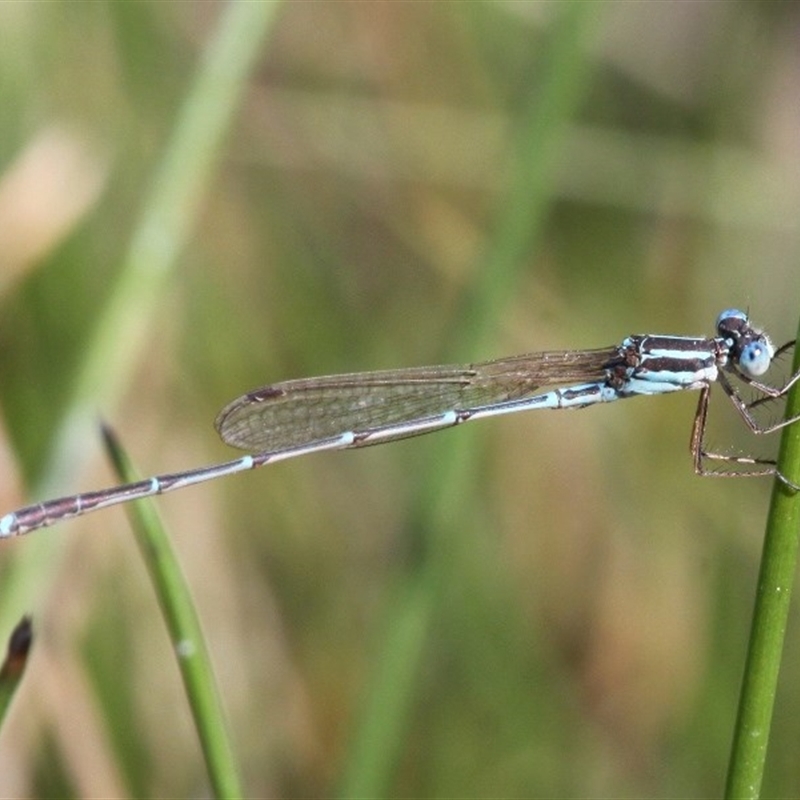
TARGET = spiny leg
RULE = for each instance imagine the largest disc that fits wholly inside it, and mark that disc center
(746, 409)
(762, 466)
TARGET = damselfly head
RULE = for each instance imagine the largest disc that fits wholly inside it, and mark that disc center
(751, 348)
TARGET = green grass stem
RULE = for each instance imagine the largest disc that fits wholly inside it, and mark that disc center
(768, 632)
(185, 632)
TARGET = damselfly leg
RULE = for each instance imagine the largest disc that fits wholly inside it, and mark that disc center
(752, 466)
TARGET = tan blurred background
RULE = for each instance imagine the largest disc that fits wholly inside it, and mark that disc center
(579, 600)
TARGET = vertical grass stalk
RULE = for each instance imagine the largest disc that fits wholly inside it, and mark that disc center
(776, 576)
(185, 632)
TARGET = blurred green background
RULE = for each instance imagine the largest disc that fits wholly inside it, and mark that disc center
(548, 605)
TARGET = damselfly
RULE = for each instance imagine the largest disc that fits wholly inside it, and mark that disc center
(355, 410)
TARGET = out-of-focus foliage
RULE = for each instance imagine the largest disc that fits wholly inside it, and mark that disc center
(590, 617)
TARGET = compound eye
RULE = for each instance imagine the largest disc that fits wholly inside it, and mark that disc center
(755, 358)
(724, 327)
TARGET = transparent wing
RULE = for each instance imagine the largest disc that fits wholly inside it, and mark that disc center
(300, 412)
